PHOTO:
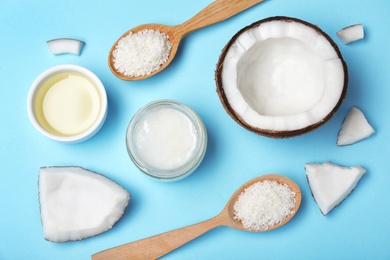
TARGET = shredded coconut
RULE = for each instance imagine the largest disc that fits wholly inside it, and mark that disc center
(264, 204)
(141, 53)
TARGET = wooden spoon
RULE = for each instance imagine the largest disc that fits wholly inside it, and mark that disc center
(217, 11)
(159, 245)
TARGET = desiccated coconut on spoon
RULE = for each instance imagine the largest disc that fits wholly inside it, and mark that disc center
(330, 184)
(355, 128)
(77, 203)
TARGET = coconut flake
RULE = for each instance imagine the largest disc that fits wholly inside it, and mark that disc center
(65, 45)
(351, 33)
(264, 204)
(141, 53)
(77, 203)
(330, 184)
(355, 128)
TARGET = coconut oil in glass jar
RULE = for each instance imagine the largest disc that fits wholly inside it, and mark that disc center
(167, 140)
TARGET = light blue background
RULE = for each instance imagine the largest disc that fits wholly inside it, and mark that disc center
(358, 229)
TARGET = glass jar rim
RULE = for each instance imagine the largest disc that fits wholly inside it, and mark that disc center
(183, 170)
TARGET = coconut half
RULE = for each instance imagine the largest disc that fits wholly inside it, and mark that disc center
(281, 77)
(77, 203)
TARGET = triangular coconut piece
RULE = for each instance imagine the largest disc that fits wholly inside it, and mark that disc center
(330, 184)
(77, 203)
(355, 128)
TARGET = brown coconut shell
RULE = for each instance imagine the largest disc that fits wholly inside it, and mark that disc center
(268, 132)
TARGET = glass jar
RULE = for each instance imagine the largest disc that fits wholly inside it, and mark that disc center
(167, 140)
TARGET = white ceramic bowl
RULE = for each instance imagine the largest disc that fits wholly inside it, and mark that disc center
(36, 101)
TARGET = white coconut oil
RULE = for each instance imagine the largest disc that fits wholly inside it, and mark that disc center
(281, 77)
(166, 139)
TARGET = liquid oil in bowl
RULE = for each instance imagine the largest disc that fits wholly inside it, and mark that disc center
(67, 104)
(167, 140)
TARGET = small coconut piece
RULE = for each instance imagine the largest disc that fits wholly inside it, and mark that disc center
(355, 128)
(351, 33)
(77, 203)
(65, 45)
(330, 184)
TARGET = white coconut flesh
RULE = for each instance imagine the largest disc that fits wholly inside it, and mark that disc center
(330, 184)
(77, 203)
(282, 76)
(351, 33)
(65, 45)
(355, 128)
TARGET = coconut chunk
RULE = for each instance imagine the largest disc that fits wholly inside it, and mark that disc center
(77, 203)
(65, 45)
(355, 128)
(351, 33)
(330, 184)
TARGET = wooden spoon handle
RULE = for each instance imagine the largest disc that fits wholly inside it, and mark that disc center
(217, 11)
(159, 245)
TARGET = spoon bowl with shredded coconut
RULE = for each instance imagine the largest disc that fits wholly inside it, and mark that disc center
(143, 51)
(265, 203)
